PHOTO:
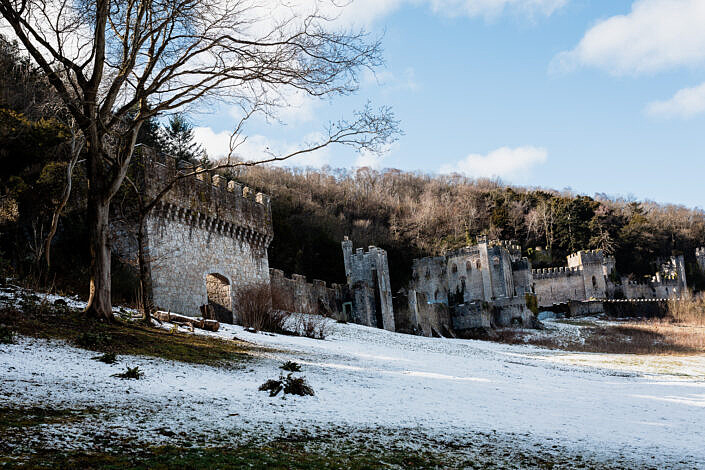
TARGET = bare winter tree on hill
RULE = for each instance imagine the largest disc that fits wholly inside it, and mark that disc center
(116, 64)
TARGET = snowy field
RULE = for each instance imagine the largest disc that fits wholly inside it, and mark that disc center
(635, 410)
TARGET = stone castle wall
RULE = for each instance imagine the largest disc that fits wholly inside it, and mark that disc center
(558, 285)
(203, 227)
(490, 274)
(367, 275)
(700, 258)
(295, 294)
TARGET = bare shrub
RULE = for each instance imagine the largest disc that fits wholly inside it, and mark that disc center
(689, 309)
(312, 326)
(254, 308)
(291, 366)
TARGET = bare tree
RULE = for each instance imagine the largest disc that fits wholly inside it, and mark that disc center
(117, 63)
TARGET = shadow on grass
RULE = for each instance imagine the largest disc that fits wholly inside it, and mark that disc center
(45, 320)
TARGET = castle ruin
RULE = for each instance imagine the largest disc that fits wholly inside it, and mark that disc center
(208, 237)
(367, 276)
(478, 286)
(205, 238)
(591, 275)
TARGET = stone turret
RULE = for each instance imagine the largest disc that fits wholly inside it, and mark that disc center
(367, 274)
(700, 258)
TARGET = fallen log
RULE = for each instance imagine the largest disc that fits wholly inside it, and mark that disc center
(202, 323)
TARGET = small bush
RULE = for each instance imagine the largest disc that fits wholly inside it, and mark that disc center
(108, 358)
(7, 336)
(291, 366)
(272, 386)
(93, 340)
(130, 373)
(690, 309)
(297, 386)
(255, 311)
(312, 326)
(290, 385)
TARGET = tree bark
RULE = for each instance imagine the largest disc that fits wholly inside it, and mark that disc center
(99, 304)
(145, 275)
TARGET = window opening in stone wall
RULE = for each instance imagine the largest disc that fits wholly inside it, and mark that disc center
(218, 290)
(454, 269)
(468, 266)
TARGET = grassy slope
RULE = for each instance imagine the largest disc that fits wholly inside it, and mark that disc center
(44, 320)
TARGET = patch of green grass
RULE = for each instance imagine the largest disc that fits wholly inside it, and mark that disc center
(276, 455)
(7, 336)
(45, 320)
(21, 417)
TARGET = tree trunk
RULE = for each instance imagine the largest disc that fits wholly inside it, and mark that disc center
(145, 276)
(99, 304)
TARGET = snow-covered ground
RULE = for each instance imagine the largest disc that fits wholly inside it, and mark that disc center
(646, 409)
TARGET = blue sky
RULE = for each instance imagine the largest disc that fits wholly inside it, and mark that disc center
(596, 96)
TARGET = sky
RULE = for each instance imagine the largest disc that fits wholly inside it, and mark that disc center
(601, 96)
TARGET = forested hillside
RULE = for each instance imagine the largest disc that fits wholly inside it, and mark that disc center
(409, 214)
(413, 214)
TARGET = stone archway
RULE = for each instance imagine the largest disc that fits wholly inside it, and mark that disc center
(219, 299)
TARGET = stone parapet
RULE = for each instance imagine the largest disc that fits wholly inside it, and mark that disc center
(212, 203)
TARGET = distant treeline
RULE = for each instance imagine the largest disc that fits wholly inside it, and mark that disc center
(409, 214)
(414, 214)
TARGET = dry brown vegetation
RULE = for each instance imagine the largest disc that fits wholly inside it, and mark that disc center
(255, 310)
(633, 337)
(689, 309)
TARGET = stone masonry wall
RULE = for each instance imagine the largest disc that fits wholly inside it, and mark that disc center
(369, 272)
(557, 285)
(203, 227)
(297, 295)
(182, 255)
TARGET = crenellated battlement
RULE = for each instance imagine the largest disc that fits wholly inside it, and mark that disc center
(548, 273)
(584, 257)
(210, 203)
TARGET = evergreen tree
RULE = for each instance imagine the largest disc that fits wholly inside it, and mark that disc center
(152, 135)
(180, 141)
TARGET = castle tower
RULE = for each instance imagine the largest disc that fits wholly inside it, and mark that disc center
(368, 279)
(347, 258)
(593, 265)
(700, 258)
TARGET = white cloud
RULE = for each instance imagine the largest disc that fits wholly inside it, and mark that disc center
(388, 81)
(216, 144)
(504, 162)
(492, 8)
(686, 103)
(656, 35)
(369, 160)
(367, 12)
(258, 147)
